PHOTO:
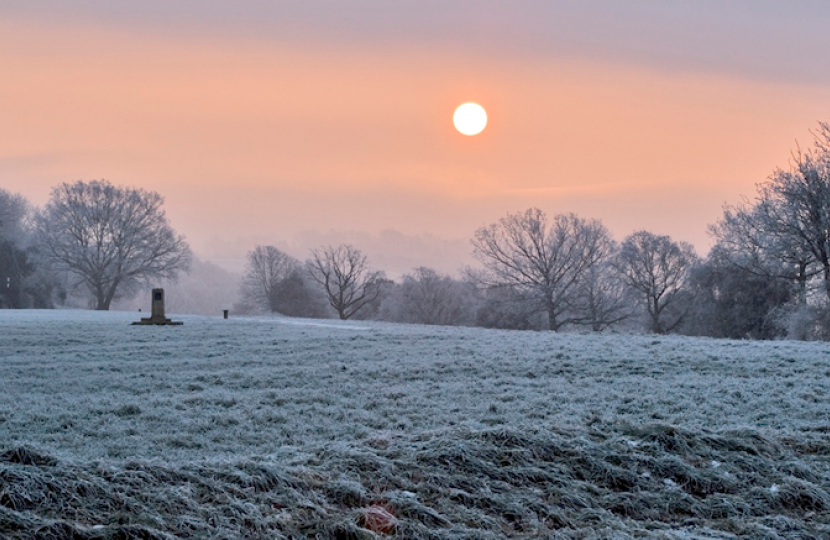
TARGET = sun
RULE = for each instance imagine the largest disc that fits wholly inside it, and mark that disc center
(470, 118)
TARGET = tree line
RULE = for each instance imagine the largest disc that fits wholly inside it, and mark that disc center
(536, 274)
(767, 275)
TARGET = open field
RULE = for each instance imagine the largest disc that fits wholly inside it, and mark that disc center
(276, 428)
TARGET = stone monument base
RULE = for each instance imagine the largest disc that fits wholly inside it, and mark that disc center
(160, 322)
(157, 317)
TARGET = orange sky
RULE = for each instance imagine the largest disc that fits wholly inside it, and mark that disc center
(258, 138)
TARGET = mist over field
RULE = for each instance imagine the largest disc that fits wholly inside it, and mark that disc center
(273, 427)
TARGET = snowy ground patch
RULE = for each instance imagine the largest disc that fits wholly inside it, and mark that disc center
(230, 428)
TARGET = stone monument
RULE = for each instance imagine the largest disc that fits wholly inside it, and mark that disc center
(157, 311)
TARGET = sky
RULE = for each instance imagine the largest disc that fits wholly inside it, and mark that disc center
(295, 123)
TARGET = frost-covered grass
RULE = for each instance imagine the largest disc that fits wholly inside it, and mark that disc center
(269, 428)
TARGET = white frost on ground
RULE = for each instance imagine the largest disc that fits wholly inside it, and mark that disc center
(348, 409)
(276, 319)
(88, 385)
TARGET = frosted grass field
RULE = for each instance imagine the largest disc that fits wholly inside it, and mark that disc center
(279, 428)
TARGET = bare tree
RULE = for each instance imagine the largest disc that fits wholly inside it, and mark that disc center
(265, 269)
(296, 297)
(26, 280)
(785, 233)
(602, 299)
(735, 302)
(111, 238)
(14, 266)
(794, 207)
(539, 261)
(747, 239)
(507, 308)
(658, 269)
(14, 210)
(427, 297)
(348, 283)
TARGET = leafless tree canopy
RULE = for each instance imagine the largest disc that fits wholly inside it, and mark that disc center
(266, 268)
(602, 298)
(348, 283)
(658, 269)
(111, 238)
(540, 260)
(795, 207)
(786, 232)
(427, 297)
(745, 239)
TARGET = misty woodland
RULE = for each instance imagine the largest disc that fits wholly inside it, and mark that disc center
(767, 276)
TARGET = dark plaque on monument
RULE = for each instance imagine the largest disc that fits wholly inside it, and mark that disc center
(157, 312)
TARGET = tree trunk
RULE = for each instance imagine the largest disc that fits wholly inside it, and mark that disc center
(104, 298)
(101, 300)
(656, 327)
(103, 303)
(826, 281)
(801, 278)
(553, 325)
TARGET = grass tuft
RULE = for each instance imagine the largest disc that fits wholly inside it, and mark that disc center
(25, 455)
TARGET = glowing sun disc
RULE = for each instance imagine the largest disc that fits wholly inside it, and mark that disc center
(470, 118)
